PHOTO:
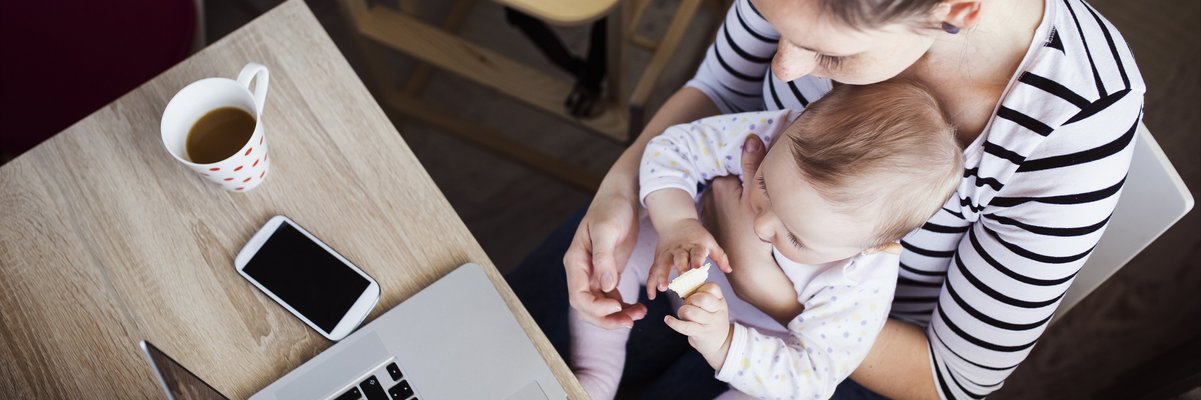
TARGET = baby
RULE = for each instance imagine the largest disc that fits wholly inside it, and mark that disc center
(841, 183)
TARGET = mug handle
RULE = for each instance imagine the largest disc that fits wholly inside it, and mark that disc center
(258, 73)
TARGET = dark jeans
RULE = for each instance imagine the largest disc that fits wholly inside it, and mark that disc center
(659, 362)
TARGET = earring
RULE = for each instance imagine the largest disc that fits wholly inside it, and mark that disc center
(952, 29)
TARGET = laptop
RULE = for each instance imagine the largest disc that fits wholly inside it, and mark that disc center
(177, 381)
(455, 339)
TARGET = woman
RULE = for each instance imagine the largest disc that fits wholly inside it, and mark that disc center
(1046, 98)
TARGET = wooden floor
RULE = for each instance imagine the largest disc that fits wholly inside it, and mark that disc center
(1147, 311)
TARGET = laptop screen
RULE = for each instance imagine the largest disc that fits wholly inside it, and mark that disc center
(177, 381)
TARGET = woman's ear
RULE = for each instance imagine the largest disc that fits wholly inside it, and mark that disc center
(960, 14)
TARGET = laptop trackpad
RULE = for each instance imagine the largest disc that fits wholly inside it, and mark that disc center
(531, 391)
(345, 366)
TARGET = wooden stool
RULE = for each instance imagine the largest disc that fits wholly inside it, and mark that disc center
(616, 116)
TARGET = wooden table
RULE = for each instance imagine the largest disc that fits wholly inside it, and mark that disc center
(106, 240)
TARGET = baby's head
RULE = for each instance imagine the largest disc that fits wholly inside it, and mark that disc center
(859, 169)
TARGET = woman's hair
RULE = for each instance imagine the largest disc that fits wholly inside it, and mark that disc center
(886, 147)
(863, 14)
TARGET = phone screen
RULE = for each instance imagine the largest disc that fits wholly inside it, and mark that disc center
(306, 276)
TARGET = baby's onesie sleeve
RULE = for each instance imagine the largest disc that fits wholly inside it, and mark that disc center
(688, 154)
(844, 312)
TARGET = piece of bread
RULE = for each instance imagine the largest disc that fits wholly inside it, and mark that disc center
(689, 281)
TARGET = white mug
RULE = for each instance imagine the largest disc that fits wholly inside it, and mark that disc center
(241, 171)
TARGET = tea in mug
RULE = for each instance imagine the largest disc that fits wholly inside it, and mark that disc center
(219, 134)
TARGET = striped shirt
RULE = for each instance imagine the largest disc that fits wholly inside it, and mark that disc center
(986, 273)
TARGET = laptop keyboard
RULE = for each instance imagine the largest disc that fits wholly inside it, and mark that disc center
(372, 388)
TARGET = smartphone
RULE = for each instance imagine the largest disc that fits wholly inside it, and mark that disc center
(308, 278)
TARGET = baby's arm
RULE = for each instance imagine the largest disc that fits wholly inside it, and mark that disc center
(672, 166)
(688, 154)
(829, 339)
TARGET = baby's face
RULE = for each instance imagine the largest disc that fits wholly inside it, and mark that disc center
(794, 218)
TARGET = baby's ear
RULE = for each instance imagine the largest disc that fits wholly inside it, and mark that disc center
(892, 248)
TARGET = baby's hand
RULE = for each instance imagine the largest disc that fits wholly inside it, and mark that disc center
(683, 245)
(705, 319)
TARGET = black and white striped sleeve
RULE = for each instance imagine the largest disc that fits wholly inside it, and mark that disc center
(735, 64)
(1014, 264)
(987, 273)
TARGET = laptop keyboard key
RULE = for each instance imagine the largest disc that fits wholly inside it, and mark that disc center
(401, 391)
(352, 394)
(373, 390)
(394, 371)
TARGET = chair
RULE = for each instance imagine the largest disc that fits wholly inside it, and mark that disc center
(1153, 199)
(619, 115)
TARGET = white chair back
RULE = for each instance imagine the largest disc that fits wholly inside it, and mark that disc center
(1153, 199)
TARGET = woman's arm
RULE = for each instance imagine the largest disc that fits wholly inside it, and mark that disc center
(898, 365)
(692, 153)
(686, 105)
(607, 233)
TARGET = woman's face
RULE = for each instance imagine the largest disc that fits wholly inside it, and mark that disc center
(812, 42)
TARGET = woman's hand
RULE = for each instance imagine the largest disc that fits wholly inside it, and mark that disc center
(607, 234)
(756, 278)
(596, 259)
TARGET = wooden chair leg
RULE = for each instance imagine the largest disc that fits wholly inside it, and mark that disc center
(643, 42)
(617, 59)
(452, 23)
(665, 52)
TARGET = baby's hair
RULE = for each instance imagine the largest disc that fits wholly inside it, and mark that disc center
(888, 146)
